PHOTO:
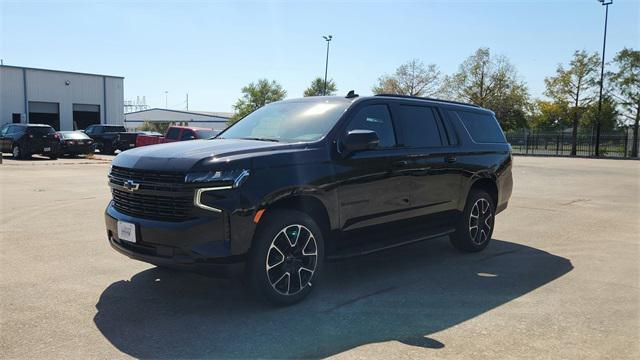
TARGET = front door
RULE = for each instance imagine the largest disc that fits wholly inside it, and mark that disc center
(371, 185)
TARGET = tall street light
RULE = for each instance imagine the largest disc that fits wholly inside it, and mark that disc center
(606, 4)
(326, 64)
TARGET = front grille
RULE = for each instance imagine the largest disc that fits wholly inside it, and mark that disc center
(159, 196)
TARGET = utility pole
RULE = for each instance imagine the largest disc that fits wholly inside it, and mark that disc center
(606, 4)
(187, 101)
(166, 99)
(326, 64)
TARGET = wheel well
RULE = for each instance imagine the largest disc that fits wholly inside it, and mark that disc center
(489, 186)
(309, 205)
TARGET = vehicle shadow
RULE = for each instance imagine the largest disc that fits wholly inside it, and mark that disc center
(404, 294)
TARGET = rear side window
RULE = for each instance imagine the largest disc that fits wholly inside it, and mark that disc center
(378, 119)
(419, 126)
(173, 133)
(483, 128)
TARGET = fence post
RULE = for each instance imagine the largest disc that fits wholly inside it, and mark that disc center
(526, 143)
(557, 144)
(626, 141)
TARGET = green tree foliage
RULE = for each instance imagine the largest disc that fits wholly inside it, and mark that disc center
(160, 127)
(255, 96)
(626, 86)
(608, 117)
(412, 78)
(549, 115)
(493, 83)
(317, 87)
(576, 86)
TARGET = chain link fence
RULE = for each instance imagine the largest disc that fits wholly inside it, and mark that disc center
(612, 145)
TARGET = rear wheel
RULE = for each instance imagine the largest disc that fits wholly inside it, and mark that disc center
(474, 229)
(286, 257)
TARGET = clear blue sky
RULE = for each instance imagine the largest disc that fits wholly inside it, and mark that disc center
(212, 49)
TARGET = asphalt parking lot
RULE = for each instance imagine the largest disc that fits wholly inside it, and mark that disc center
(561, 279)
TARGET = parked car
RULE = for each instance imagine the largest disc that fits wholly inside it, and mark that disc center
(126, 141)
(24, 140)
(105, 136)
(176, 133)
(301, 181)
(75, 143)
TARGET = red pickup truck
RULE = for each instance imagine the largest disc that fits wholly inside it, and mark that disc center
(176, 133)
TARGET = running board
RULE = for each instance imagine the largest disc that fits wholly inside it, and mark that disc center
(378, 246)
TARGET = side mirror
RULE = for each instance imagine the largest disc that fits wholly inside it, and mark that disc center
(359, 140)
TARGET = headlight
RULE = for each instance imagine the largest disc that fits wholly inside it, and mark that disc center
(233, 178)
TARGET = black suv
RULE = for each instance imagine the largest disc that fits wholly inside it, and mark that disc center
(24, 140)
(302, 181)
(105, 136)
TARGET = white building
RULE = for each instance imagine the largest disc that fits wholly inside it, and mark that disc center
(213, 120)
(63, 99)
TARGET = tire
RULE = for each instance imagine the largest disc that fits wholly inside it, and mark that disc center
(108, 150)
(475, 227)
(277, 271)
(17, 152)
(53, 157)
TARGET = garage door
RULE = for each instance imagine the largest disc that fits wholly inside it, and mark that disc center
(85, 115)
(44, 113)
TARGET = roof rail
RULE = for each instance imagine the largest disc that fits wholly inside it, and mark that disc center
(428, 98)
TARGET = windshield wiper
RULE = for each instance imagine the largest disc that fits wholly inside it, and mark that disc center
(259, 139)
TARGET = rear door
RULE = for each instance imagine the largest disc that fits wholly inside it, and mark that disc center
(431, 173)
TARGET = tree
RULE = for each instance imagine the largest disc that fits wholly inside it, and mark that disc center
(608, 115)
(491, 82)
(317, 87)
(255, 96)
(549, 115)
(575, 86)
(412, 78)
(626, 83)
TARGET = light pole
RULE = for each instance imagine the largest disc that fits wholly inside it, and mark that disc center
(166, 99)
(326, 64)
(606, 4)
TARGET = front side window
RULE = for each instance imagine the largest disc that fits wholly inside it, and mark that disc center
(289, 121)
(188, 135)
(173, 133)
(376, 118)
(419, 126)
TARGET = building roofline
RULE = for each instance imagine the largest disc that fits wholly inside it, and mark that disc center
(61, 71)
(178, 111)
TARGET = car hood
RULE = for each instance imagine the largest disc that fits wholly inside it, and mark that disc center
(185, 155)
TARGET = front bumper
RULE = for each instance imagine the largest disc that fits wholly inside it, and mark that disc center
(199, 244)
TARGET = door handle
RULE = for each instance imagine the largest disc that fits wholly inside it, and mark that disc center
(450, 159)
(401, 163)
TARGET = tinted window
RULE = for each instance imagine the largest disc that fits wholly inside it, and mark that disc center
(378, 119)
(40, 130)
(205, 134)
(188, 135)
(115, 129)
(419, 126)
(173, 133)
(482, 127)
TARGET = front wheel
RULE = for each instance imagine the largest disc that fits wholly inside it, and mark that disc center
(18, 153)
(286, 257)
(475, 227)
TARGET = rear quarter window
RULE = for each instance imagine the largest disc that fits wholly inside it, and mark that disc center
(482, 127)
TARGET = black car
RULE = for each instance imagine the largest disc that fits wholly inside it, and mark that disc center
(105, 136)
(75, 143)
(302, 181)
(24, 140)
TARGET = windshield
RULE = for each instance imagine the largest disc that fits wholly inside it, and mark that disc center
(206, 134)
(289, 121)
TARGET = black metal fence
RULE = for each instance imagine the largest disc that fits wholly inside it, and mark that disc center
(613, 145)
